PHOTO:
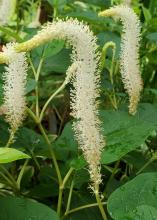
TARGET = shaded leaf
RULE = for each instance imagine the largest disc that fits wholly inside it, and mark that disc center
(129, 197)
(26, 209)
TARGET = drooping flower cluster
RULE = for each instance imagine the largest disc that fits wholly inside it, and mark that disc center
(130, 69)
(85, 59)
(6, 9)
(14, 87)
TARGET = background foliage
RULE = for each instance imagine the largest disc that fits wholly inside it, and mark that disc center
(29, 186)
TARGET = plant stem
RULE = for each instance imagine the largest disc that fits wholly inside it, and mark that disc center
(36, 119)
(32, 66)
(53, 95)
(81, 208)
(103, 54)
(101, 208)
(69, 197)
(10, 141)
(51, 152)
(61, 188)
(147, 164)
(9, 178)
(103, 61)
(21, 174)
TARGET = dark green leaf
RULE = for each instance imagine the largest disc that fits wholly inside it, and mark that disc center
(129, 197)
(143, 212)
(26, 209)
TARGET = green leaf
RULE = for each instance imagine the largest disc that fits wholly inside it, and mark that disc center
(31, 84)
(66, 145)
(31, 141)
(26, 209)
(58, 63)
(10, 154)
(143, 212)
(130, 197)
(78, 163)
(89, 16)
(124, 133)
(50, 49)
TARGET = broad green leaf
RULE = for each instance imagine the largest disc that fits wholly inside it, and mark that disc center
(14, 208)
(124, 133)
(143, 212)
(10, 154)
(128, 198)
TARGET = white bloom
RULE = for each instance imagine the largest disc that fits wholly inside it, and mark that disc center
(6, 9)
(130, 69)
(85, 59)
(14, 86)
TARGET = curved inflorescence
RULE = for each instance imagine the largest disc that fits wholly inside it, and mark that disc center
(14, 87)
(85, 79)
(130, 69)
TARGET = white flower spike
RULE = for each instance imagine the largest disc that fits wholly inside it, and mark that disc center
(130, 69)
(14, 87)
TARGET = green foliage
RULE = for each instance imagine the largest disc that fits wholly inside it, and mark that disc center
(130, 201)
(19, 208)
(27, 167)
(9, 154)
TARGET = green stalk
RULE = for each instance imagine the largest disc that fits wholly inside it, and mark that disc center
(102, 65)
(69, 198)
(54, 95)
(21, 174)
(154, 157)
(81, 208)
(52, 153)
(61, 188)
(100, 205)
